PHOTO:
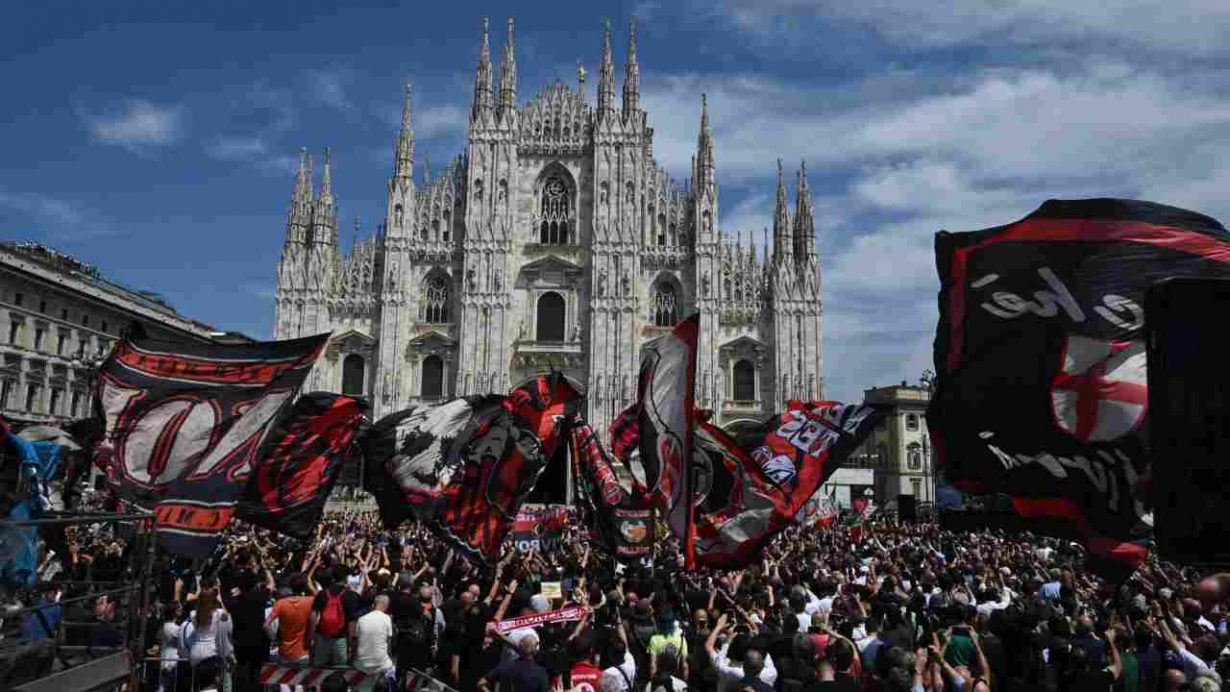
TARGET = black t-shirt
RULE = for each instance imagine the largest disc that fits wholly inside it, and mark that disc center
(249, 615)
(842, 683)
(521, 675)
(1091, 681)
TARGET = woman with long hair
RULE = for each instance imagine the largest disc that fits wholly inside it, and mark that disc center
(207, 633)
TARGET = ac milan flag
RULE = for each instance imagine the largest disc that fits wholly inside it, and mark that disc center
(411, 455)
(184, 424)
(618, 516)
(1042, 390)
(502, 460)
(664, 426)
(466, 466)
(773, 477)
(292, 481)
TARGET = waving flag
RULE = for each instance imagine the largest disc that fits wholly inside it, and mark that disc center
(466, 466)
(184, 424)
(618, 515)
(773, 478)
(664, 418)
(292, 481)
(1042, 389)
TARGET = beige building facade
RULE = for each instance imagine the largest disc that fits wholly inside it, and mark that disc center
(58, 318)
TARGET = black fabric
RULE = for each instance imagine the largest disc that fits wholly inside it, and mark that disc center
(293, 479)
(1032, 314)
(183, 422)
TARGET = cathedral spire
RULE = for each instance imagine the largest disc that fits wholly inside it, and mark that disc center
(508, 76)
(606, 76)
(632, 76)
(782, 240)
(324, 212)
(299, 217)
(482, 79)
(804, 219)
(404, 166)
(704, 148)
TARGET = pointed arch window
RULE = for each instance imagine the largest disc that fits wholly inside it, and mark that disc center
(433, 378)
(435, 300)
(353, 375)
(744, 381)
(665, 306)
(555, 217)
(550, 322)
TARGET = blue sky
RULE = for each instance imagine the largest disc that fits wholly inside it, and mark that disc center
(157, 140)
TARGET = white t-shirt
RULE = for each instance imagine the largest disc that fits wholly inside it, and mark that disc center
(168, 641)
(621, 680)
(373, 632)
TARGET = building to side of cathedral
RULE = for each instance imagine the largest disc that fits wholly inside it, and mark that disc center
(554, 242)
(60, 318)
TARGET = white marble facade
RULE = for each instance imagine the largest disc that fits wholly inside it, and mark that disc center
(554, 242)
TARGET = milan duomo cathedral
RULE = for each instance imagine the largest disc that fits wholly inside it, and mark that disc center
(555, 242)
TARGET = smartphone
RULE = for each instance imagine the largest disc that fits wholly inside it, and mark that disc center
(960, 631)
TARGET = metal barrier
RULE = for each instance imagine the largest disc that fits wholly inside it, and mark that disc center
(274, 674)
(89, 637)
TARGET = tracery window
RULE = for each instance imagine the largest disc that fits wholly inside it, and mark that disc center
(665, 306)
(556, 212)
(435, 300)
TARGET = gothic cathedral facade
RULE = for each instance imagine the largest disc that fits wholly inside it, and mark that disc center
(554, 242)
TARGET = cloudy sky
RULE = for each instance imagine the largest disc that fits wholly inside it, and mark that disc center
(157, 140)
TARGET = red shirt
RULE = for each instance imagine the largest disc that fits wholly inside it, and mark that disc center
(585, 677)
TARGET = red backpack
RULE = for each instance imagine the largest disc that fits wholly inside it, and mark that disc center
(333, 617)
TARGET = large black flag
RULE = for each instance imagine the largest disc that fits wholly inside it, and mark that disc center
(184, 423)
(292, 481)
(1042, 390)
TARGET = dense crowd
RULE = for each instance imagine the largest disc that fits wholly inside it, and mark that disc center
(887, 606)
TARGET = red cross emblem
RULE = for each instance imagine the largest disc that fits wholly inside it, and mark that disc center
(1101, 390)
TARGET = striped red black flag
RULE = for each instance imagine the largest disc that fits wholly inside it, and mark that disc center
(1042, 390)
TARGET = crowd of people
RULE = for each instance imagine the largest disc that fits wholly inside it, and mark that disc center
(887, 606)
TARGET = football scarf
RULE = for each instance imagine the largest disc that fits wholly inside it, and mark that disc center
(292, 481)
(184, 424)
(1042, 390)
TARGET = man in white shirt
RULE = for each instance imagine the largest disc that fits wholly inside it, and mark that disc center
(731, 674)
(373, 633)
(620, 678)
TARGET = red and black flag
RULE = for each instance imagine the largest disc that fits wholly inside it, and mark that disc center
(411, 455)
(184, 424)
(292, 481)
(616, 510)
(1042, 390)
(770, 478)
(664, 427)
(501, 460)
(465, 466)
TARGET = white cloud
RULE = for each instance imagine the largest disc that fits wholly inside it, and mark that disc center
(1191, 27)
(37, 214)
(329, 88)
(985, 151)
(445, 121)
(140, 126)
(237, 148)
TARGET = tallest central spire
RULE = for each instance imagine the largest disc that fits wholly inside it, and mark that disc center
(482, 78)
(508, 76)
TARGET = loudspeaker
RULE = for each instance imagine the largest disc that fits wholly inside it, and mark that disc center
(1189, 419)
(907, 508)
